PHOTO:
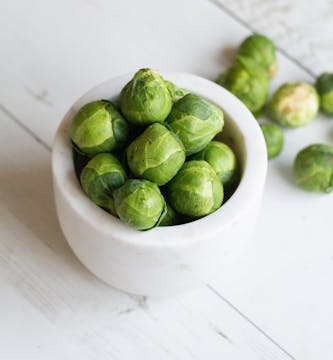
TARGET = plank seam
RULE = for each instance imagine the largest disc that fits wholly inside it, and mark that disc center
(247, 319)
(247, 26)
(17, 121)
(283, 52)
(243, 23)
(24, 127)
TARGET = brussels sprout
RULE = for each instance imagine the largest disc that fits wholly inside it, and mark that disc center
(139, 203)
(259, 113)
(262, 50)
(313, 168)
(222, 159)
(274, 139)
(156, 155)
(196, 190)
(146, 98)
(170, 217)
(195, 121)
(102, 174)
(175, 92)
(246, 80)
(324, 86)
(98, 127)
(294, 104)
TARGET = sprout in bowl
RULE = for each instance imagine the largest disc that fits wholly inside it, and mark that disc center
(161, 124)
(167, 259)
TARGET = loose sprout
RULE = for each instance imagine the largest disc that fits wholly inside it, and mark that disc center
(274, 139)
(294, 104)
(324, 86)
(260, 48)
(247, 81)
(313, 168)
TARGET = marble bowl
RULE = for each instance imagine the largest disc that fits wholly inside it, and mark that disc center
(165, 260)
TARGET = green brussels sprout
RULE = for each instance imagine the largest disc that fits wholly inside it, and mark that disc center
(324, 86)
(98, 127)
(262, 50)
(196, 190)
(247, 81)
(313, 168)
(146, 98)
(139, 203)
(195, 121)
(294, 104)
(259, 113)
(222, 159)
(100, 177)
(274, 139)
(156, 155)
(175, 92)
(170, 217)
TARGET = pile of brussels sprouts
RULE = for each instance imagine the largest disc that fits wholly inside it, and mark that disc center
(152, 160)
(293, 105)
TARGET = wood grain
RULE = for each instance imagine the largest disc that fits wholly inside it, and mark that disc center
(302, 30)
(275, 303)
(51, 306)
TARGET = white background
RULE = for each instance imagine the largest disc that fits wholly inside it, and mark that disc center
(275, 303)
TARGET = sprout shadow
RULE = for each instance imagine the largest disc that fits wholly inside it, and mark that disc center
(286, 172)
(229, 53)
(228, 56)
(225, 58)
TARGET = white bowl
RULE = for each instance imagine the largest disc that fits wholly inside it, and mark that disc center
(164, 260)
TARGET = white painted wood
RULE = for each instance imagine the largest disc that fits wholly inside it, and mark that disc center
(50, 307)
(302, 28)
(62, 48)
(284, 280)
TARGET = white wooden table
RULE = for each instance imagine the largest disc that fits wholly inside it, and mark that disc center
(276, 303)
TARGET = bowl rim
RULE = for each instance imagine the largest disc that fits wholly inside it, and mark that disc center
(249, 188)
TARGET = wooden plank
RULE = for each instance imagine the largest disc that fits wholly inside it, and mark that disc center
(304, 32)
(48, 62)
(283, 283)
(46, 69)
(51, 306)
